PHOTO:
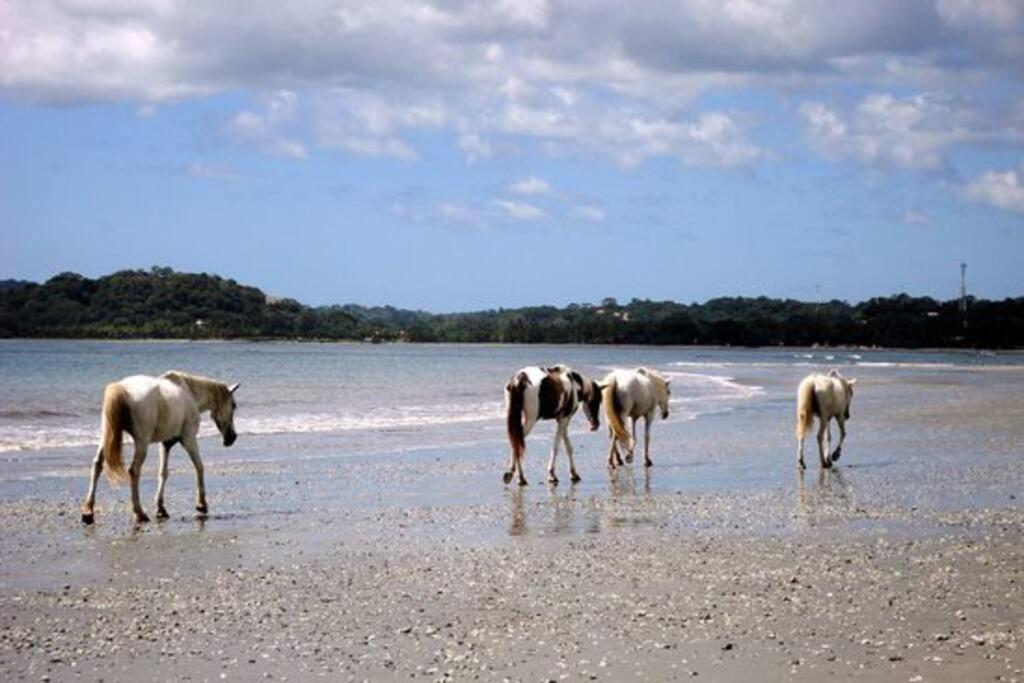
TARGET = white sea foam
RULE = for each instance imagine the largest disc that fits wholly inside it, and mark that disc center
(42, 437)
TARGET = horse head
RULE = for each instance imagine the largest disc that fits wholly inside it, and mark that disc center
(848, 386)
(589, 393)
(223, 413)
(662, 390)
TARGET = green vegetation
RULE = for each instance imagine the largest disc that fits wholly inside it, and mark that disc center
(161, 303)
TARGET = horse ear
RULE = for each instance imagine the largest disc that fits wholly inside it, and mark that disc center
(233, 387)
(851, 382)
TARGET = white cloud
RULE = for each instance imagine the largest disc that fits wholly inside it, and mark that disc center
(373, 124)
(998, 14)
(475, 147)
(569, 77)
(264, 128)
(520, 210)
(912, 217)
(210, 172)
(913, 132)
(591, 214)
(530, 186)
(1003, 190)
(460, 213)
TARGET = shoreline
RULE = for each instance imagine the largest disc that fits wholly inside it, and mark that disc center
(723, 561)
(983, 351)
(293, 599)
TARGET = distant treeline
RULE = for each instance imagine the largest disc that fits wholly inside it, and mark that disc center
(161, 303)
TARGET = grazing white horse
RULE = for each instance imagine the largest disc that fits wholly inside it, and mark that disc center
(547, 394)
(163, 409)
(825, 396)
(642, 392)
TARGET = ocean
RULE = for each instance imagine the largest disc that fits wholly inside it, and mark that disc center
(386, 397)
(341, 427)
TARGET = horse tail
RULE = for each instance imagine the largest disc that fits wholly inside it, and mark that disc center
(806, 406)
(117, 419)
(611, 409)
(515, 388)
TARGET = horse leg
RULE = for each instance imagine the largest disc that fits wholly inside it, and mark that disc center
(647, 439)
(562, 424)
(192, 448)
(629, 453)
(165, 452)
(90, 498)
(507, 477)
(823, 443)
(613, 450)
(135, 472)
(573, 474)
(800, 454)
(519, 468)
(842, 437)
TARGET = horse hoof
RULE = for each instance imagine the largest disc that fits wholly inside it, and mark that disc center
(507, 477)
(835, 456)
(162, 514)
(523, 482)
(575, 478)
(88, 518)
(141, 518)
(201, 509)
(553, 480)
(629, 458)
(648, 463)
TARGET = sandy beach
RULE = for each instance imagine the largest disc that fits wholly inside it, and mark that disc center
(722, 562)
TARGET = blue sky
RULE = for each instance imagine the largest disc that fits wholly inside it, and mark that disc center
(465, 155)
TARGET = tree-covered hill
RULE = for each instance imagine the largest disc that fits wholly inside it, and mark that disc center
(161, 303)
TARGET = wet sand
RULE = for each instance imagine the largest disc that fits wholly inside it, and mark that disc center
(906, 562)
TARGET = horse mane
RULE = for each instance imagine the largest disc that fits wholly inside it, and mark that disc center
(199, 385)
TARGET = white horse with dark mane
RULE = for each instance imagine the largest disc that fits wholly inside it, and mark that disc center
(165, 410)
(642, 392)
(825, 397)
(554, 393)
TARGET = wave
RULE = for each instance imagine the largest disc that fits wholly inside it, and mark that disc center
(39, 437)
(33, 414)
(694, 394)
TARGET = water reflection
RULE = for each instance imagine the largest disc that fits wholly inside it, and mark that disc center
(517, 525)
(562, 509)
(558, 515)
(622, 482)
(822, 498)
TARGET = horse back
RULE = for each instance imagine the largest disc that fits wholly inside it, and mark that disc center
(829, 397)
(636, 393)
(160, 408)
(556, 398)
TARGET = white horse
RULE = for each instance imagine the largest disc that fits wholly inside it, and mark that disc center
(633, 393)
(163, 409)
(825, 396)
(547, 394)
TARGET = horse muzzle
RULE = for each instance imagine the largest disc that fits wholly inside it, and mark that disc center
(230, 438)
(664, 415)
(594, 426)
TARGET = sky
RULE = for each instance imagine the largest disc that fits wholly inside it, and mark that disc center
(463, 155)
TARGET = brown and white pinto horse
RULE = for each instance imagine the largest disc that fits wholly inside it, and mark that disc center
(547, 394)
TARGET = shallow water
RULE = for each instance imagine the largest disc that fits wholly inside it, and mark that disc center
(397, 445)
